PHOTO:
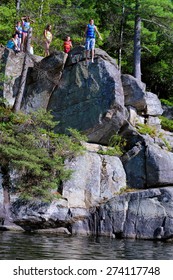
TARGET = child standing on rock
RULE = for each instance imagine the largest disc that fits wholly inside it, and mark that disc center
(25, 28)
(67, 44)
(47, 38)
(18, 29)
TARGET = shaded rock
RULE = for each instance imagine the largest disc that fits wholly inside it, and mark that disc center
(39, 215)
(147, 165)
(53, 217)
(167, 111)
(13, 227)
(144, 215)
(42, 80)
(78, 54)
(135, 166)
(159, 166)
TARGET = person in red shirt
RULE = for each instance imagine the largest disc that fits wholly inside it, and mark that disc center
(67, 44)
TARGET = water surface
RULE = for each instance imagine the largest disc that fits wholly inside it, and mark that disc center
(47, 246)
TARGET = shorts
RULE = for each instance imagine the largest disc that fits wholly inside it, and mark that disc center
(90, 43)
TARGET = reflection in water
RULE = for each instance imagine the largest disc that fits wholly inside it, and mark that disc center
(39, 247)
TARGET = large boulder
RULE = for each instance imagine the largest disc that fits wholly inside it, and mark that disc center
(146, 214)
(42, 80)
(153, 104)
(89, 97)
(159, 166)
(133, 92)
(95, 178)
(136, 95)
(148, 165)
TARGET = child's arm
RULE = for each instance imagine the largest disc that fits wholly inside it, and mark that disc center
(15, 44)
(98, 33)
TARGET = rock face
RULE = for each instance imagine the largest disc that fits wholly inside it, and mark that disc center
(145, 104)
(95, 178)
(147, 165)
(11, 67)
(42, 80)
(147, 214)
(89, 97)
(137, 97)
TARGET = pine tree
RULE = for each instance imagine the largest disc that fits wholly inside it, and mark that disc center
(29, 147)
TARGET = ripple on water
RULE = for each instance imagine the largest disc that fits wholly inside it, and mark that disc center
(45, 246)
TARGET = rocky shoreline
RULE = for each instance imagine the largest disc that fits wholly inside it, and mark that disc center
(122, 197)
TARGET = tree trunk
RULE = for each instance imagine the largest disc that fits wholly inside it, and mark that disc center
(121, 37)
(137, 44)
(18, 100)
(41, 9)
(6, 192)
(18, 6)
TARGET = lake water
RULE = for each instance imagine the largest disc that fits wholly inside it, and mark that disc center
(39, 247)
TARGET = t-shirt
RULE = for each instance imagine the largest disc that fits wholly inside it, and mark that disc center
(26, 26)
(10, 44)
(67, 46)
(48, 35)
(18, 30)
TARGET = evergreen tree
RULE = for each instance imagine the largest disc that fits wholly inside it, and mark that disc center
(29, 146)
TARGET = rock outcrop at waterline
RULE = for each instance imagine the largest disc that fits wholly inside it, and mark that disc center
(99, 101)
(146, 214)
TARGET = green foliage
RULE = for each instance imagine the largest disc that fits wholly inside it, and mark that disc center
(29, 145)
(166, 123)
(7, 21)
(152, 131)
(147, 129)
(167, 144)
(168, 102)
(116, 146)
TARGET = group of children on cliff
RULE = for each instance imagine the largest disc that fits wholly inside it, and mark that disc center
(19, 39)
(48, 39)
